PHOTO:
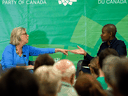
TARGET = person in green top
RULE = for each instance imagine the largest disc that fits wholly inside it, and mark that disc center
(102, 82)
(103, 54)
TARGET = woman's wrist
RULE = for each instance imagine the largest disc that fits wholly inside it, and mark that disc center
(57, 50)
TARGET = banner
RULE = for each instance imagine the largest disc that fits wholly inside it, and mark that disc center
(63, 23)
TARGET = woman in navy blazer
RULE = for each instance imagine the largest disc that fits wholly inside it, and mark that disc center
(17, 53)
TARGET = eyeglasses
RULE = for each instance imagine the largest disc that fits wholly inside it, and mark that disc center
(25, 34)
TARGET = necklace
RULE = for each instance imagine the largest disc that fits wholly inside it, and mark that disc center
(17, 51)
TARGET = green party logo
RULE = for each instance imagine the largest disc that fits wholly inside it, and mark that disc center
(65, 2)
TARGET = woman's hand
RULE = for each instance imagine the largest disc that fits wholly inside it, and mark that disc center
(26, 67)
(65, 52)
(79, 51)
(30, 67)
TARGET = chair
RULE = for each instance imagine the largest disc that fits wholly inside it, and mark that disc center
(1, 70)
(31, 62)
(85, 69)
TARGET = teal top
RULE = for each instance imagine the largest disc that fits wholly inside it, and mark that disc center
(102, 82)
(67, 90)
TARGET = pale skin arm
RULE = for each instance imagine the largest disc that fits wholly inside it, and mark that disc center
(79, 51)
(56, 50)
(29, 66)
(65, 52)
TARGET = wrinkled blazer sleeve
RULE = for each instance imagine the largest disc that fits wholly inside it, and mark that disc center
(121, 49)
(8, 58)
(34, 51)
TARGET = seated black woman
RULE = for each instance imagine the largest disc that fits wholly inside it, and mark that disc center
(17, 53)
(109, 41)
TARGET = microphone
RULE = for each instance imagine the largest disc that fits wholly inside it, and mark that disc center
(24, 55)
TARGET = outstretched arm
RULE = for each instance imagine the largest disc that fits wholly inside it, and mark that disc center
(34, 51)
(79, 51)
(61, 50)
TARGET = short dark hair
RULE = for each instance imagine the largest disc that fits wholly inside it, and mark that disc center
(18, 82)
(110, 28)
(44, 59)
(104, 53)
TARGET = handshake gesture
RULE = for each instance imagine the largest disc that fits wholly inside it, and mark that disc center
(76, 51)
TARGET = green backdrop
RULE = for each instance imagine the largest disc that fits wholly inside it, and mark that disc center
(63, 23)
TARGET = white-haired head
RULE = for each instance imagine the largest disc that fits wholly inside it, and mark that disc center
(64, 67)
(49, 82)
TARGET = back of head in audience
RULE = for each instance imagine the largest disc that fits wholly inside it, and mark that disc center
(87, 85)
(120, 77)
(67, 69)
(18, 82)
(108, 64)
(50, 83)
(104, 53)
(44, 59)
(93, 65)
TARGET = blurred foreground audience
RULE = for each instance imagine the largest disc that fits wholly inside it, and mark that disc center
(120, 77)
(50, 83)
(67, 69)
(87, 85)
(58, 80)
(108, 64)
(103, 54)
(18, 82)
(44, 59)
(94, 67)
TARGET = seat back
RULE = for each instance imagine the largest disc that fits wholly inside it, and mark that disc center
(1, 70)
(79, 66)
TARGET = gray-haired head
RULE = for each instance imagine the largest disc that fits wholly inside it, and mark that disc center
(49, 82)
(108, 64)
(120, 76)
(64, 67)
(15, 35)
(67, 70)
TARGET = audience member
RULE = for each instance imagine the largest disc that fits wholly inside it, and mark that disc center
(44, 59)
(18, 82)
(120, 77)
(94, 67)
(103, 54)
(67, 69)
(50, 83)
(108, 65)
(81, 72)
(87, 85)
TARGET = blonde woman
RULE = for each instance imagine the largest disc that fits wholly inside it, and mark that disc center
(17, 53)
